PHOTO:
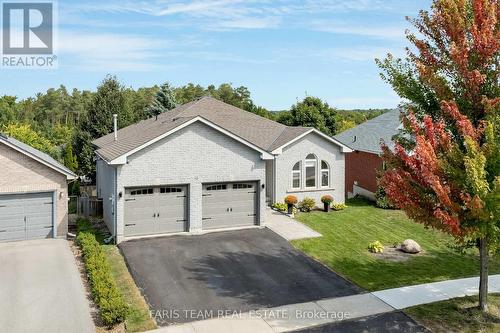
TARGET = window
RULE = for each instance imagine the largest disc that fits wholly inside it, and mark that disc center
(296, 175)
(311, 171)
(239, 186)
(217, 187)
(170, 189)
(325, 174)
(142, 191)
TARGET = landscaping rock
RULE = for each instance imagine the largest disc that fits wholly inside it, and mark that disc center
(410, 246)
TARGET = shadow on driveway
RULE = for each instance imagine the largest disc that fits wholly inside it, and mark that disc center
(189, 278)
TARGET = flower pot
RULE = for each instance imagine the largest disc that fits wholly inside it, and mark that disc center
(326, 207)
(290, 209)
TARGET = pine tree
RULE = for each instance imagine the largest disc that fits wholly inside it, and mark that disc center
(164, 101)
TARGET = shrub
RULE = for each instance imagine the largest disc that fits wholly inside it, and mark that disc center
(281, 206)
(291, 200)
(376, 247)
(306, 205)
(381, 200)
(338, 206)
(112, 306)
(327, 199)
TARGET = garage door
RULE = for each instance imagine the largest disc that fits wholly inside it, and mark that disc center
(155, 210)
(228, 205)
(26, 216)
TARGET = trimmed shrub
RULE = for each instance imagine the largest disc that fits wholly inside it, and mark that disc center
(376, 247)
(381, 200)
(306, 205)
(338, 206)
(281, 206)
(291, 200)
(112, 306)
(327, 199)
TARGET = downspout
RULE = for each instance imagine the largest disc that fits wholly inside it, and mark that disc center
(274, 180)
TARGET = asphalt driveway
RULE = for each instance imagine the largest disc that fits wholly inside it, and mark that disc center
(41, 289)
(190, 278)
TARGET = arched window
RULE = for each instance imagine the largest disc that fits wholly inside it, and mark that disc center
(325, 174)
(296, 175)
(310, 166)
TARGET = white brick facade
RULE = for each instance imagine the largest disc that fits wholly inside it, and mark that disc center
(297, 151)
(192, 156)
(22, 174)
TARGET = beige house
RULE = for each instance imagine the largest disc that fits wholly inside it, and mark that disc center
(33, 193)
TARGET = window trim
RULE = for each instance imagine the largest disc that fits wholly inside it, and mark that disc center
(315, 161)
(299, 172)
(327, 170)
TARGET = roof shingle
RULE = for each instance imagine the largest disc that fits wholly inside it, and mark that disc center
(259, 131)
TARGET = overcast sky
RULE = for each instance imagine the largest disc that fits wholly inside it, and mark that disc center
(280, 49)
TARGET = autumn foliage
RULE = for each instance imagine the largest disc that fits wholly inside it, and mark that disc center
(448, 176)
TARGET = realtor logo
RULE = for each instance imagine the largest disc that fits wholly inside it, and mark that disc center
(28, 34)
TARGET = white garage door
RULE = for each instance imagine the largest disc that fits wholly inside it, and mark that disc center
(26, 216)
(155, 210)
(227, 205)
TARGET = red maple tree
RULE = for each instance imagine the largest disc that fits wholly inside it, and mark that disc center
(444, 172)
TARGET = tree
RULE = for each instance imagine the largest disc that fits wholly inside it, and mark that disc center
(108, 100)
(311, 112)
(26, 134)
(70, 160)
(164, 101)
(448, 177)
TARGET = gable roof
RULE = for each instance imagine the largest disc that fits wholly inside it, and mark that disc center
(367, 136)
(37, 155)
(261, 133)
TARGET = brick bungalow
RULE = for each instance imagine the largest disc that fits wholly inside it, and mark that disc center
(362, 166)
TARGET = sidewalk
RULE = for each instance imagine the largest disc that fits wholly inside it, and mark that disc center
(287, 227)
(303, 315)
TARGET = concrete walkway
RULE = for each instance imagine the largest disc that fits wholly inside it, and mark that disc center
(304, 315)
(287, 227)
(405, 297)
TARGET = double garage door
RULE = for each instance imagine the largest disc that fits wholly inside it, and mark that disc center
(26, 216)
(164, 209)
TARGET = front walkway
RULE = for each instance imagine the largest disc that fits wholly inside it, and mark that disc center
(287, 227)
(334, 310)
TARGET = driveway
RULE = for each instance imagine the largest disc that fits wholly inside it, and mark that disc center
(190, 278)
(41, 289)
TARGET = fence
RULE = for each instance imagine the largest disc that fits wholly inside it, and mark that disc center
(87, 206)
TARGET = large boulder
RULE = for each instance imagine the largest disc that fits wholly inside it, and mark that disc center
(410, 246)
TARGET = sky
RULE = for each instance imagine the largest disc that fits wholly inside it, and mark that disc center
(282, 50)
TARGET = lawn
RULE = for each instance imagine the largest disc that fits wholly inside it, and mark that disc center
(138, 318)
(458, 315)
(347, 233)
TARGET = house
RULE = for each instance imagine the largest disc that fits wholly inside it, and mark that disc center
(33, 193)
(363, 165)
(207, 165)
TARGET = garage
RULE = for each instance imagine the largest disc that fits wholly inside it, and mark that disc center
(26, 216)
(155, 210)
(227, 205)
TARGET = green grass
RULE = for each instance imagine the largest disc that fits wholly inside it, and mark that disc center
(347, 233)
(458, 315)
(138, 318)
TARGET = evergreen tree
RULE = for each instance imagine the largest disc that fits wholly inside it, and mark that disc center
(164, 101)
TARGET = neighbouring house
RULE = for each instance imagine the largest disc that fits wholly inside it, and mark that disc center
(33, 193)
(207, 165)
(362, 166)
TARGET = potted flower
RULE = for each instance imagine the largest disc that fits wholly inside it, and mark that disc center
(290, 200)
(326, 200)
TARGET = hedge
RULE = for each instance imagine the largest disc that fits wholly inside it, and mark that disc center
(112, 306)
